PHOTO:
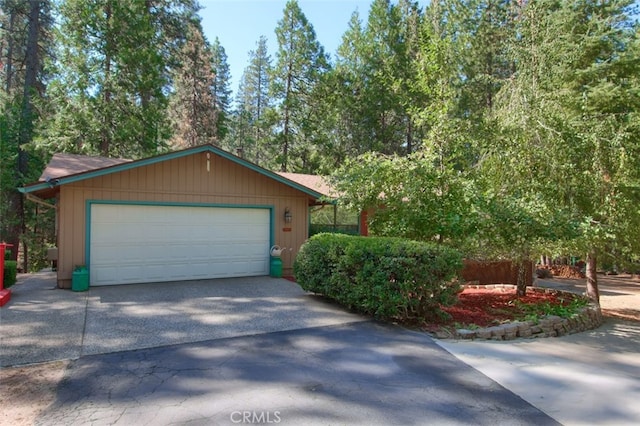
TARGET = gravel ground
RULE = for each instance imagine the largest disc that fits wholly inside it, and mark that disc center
(26, 391)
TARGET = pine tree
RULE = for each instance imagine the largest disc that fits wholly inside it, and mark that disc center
(193, 104)
(114, 69)
(353, 115)
(484, 29)
(254, 117)
(300, 61)
(375, 75)
(382, 49)
(221, 90)
(406, 75)
(24, 40)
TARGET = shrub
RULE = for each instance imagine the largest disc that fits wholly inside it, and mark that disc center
(384, 277)
(10, 273)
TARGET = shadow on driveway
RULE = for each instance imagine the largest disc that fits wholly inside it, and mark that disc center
(213, 352)
(357, 373)
(42, 323)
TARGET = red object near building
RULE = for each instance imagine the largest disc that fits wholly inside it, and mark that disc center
(5, 293)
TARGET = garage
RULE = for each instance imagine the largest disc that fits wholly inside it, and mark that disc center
(131, 243)
(196, 213)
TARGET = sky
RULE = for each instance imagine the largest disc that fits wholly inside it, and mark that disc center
(238, 24)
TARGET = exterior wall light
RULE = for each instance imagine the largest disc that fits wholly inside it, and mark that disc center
(287, 215)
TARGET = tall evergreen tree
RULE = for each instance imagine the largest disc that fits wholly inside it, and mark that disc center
(254, 117)
(483, 31)
(382, 40)
(374, 82)
(193, 108)
(354, 125)
(221, 88)
(24, 41)
(114, 74)
(300, 61)
(404, 78)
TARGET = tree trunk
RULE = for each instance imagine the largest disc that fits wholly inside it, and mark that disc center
(287, 112)
(522, 281)
(285, 144)
(105, 142)
(592, 279)
(32, 69)
(409, 136)
(8, 66)
(13, 198)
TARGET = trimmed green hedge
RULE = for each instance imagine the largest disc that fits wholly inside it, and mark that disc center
(10, 273)
(384, 277)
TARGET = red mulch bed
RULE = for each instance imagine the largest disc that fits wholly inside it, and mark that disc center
(487, 307)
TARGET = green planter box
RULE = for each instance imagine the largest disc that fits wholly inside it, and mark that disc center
(80, 279)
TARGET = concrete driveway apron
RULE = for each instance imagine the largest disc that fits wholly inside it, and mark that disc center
(42, 323)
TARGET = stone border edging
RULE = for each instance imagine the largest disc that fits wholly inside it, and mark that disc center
(588, 318)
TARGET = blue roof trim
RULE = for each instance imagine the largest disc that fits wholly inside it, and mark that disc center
(166, 157)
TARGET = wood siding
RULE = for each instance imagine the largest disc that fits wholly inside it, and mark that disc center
(184, 180)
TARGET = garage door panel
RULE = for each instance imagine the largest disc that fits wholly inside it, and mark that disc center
(135, 243)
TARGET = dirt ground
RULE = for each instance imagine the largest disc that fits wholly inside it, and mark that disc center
(27, 390)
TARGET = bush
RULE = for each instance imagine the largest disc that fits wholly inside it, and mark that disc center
(10, 273)
(384, 277)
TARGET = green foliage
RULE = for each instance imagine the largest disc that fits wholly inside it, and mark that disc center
(385, 277)
(300, 62)
(39, 235)
(567, 126)
(251, 130)
(25, 40)
(369, 95)
(221, 90)
(193, 109)
(10, 273)
(563, 310)
(503, 128)
(315, 228)
(332, 219)
(112, 74)
(416, 197)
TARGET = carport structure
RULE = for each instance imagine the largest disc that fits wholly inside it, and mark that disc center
(198, 213)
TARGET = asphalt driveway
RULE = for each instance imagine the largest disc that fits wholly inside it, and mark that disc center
(356, 373)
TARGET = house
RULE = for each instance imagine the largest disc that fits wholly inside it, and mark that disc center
(198, 213)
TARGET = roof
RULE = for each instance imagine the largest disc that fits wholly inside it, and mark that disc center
(64, 164)
(315, 182)
(68, 168)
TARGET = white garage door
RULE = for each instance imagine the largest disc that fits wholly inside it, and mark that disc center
(144, 244)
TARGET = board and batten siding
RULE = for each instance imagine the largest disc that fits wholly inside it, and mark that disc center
(183, 180)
